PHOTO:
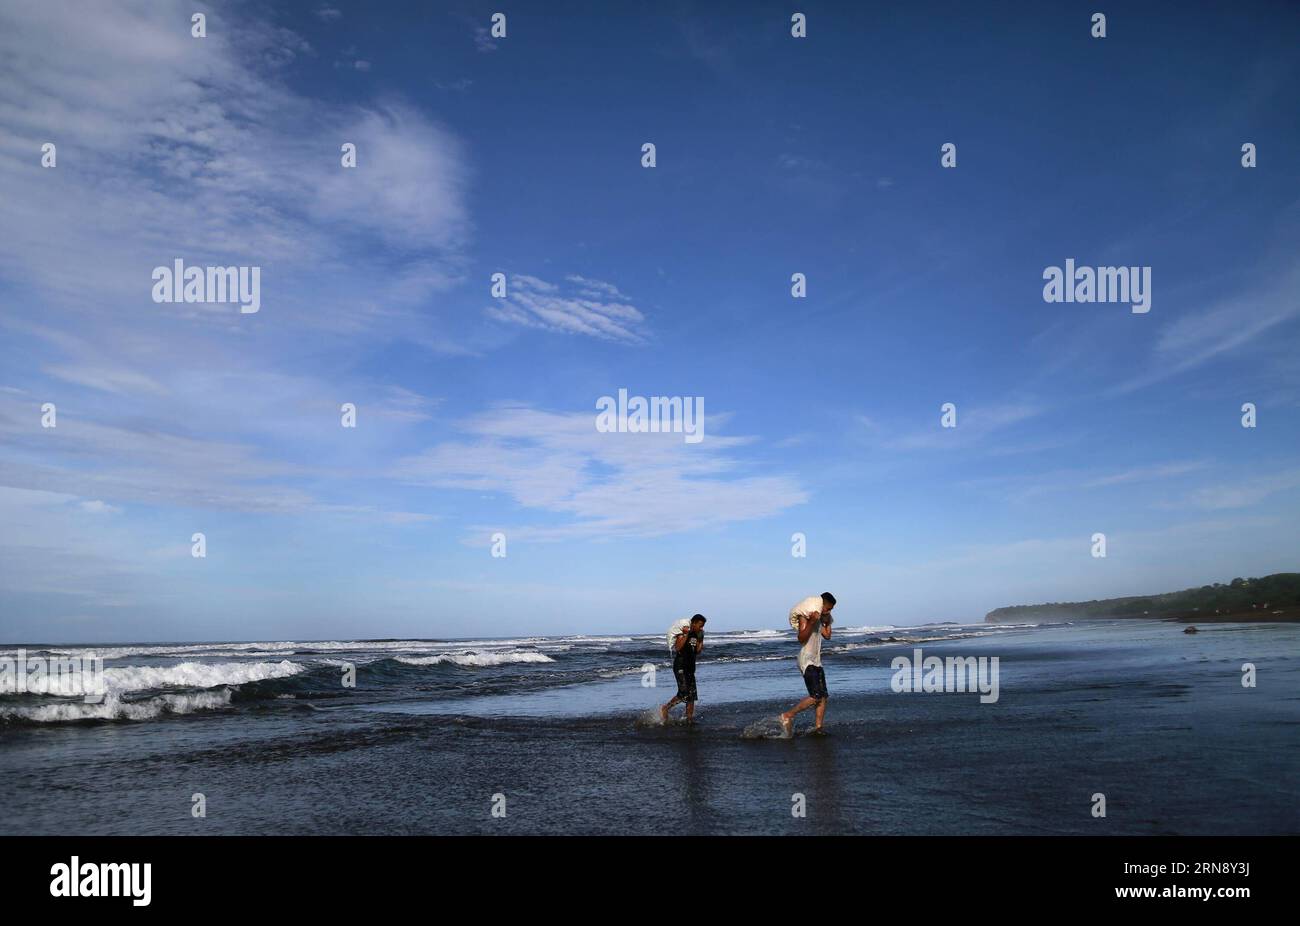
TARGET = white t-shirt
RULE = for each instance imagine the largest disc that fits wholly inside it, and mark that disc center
(810, 654)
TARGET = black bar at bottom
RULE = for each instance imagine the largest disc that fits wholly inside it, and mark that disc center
(242, 875)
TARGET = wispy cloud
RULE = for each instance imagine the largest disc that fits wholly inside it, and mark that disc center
(594, 287)
(1193, 339)
(1248, 490)
(460, 85)
(160, 464)
(106, 379)
(1023, 487)
(975, 425)
(65, 550)
(589, 307)
(1146, 473)
(600, 485)
(202, 149)
(483, 40)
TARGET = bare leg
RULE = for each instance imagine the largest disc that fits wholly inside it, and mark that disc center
(663, 711)
(788, 717)
(690, 712)
(821, 713)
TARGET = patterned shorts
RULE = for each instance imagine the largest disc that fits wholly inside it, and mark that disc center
(685, 684)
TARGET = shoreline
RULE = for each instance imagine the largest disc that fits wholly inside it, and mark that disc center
(1289, 615)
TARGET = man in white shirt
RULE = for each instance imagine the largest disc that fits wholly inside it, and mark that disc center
(812, 619)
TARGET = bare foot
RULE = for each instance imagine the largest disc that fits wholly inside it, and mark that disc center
(663, 714)
(787, 726)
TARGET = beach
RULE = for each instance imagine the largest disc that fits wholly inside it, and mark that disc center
(555, 735)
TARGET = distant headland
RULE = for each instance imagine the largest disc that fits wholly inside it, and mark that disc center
(1270, 598)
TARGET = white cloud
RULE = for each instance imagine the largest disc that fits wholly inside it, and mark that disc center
(106, 379)
(171, 146)
(1243, 493)
(1195, 338)
(1025, 487)
(594, 287)
(601, 485)
(200, 148)
(1146, 473)
(597, 309)
(85, 457)
(975, 424)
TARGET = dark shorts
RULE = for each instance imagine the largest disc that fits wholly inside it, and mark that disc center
(814, 680)
(685, 683)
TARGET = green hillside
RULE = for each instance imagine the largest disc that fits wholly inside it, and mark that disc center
(1239, 597)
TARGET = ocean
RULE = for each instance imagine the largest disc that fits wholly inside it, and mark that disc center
(1098, 728)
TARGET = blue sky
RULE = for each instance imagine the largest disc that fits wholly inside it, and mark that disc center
(522, 156)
